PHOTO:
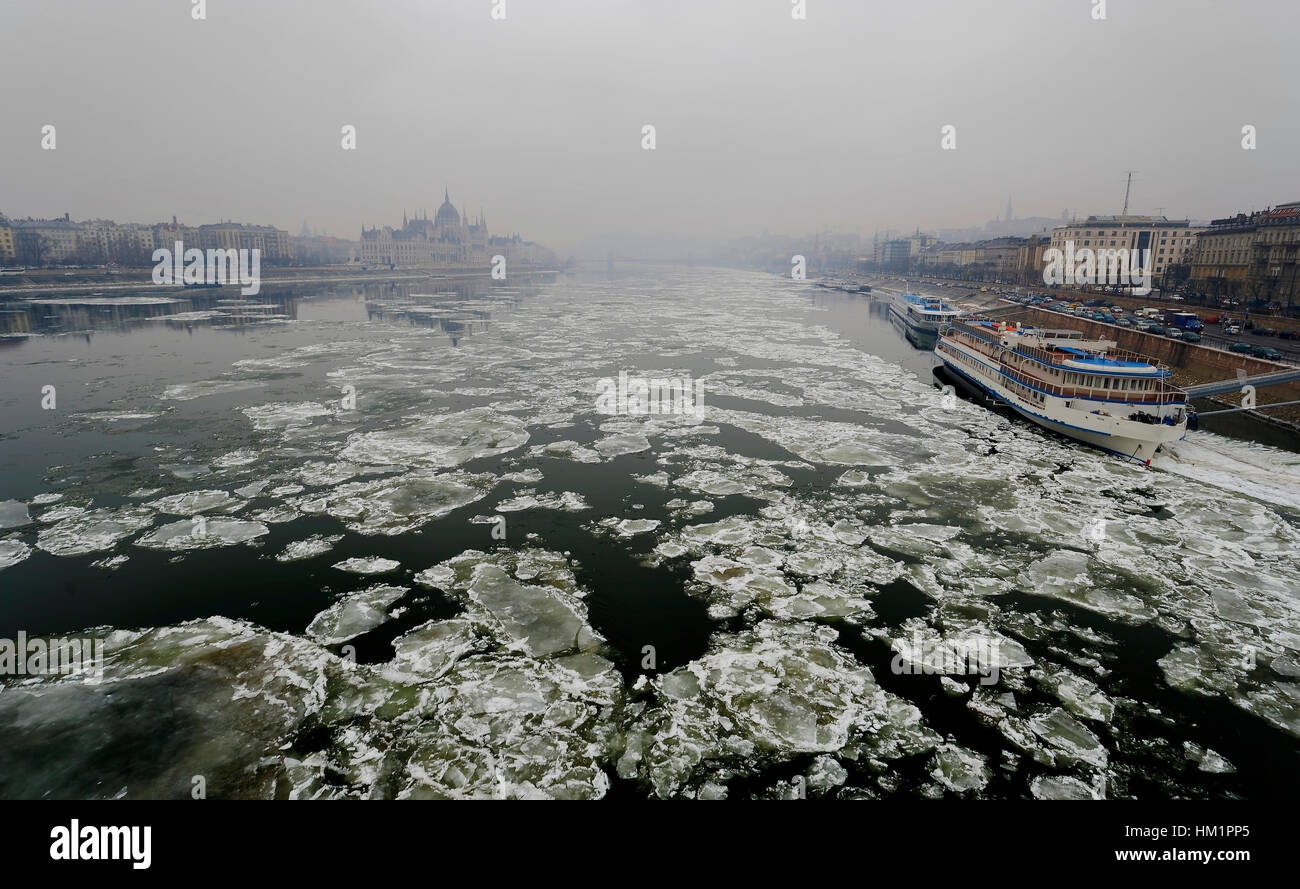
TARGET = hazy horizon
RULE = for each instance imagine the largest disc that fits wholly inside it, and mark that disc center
(763, 122)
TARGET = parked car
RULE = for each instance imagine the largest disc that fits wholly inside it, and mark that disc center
(1244, 348)
(1262, 331)
(1288, 334)
(1267, 352)
(1174, 333)
(1232, 330)
(1124, 322)
(1191, 336)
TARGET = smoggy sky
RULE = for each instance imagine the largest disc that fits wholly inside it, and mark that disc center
(763, 122)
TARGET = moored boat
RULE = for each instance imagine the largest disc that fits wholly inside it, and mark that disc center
(1087, 390)
(922, 314)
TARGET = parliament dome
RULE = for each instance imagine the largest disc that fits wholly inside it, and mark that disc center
(447, 214)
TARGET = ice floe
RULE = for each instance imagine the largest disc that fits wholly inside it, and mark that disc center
(354, 614)
(13, 514)
(13, 551)
(194, 534)
(439, 441)
(87, 531)
(368, 565)
(758, 698)
(316, 545)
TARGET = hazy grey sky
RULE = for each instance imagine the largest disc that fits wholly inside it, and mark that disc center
(762, 121)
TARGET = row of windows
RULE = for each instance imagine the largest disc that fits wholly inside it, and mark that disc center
(1101, 233)
(1024, 392)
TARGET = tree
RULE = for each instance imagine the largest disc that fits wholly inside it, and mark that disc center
(32, 248)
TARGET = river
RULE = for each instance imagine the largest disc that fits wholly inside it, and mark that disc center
(377, 541)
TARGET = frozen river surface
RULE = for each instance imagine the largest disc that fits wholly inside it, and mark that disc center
(376, 543)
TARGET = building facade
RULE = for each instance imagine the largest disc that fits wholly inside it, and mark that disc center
(8, 252)
(1251, 255)
(275, 244)
(1170, 241)
(43, 242)
(449, 240)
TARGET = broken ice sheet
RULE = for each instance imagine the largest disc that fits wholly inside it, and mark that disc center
(758, 698)
(514, 728)
(241, 457)
(1069, 739)
(529, 476)
(1061, 787)
(958, 769)
(354, 614)
(569, 450)
(565, 501)
(1207, 760)
(824, 441)
(1081, 697)
(212, 532)
(439, 441)
(195, 502)
(93, 530)
(13, 551)
(543, 617)
(396, 505)
(203, 388)
(628, 527)
(374, 565)
(309, 548)
(621, 443)
(281, 416)
(13, 514)
(210, 731)
(1068, 575)
(1212, 669)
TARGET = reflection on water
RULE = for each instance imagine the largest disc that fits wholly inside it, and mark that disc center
(458, 307)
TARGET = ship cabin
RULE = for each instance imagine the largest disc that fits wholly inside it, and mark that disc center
(1064, 364)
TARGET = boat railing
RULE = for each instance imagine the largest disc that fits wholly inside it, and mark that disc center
(1057, 357)
(1167, 395)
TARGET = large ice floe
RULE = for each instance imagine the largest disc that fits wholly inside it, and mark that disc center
(760, 698)
(439, 441)
(397, 504)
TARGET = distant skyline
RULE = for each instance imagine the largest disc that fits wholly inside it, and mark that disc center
(762, 121)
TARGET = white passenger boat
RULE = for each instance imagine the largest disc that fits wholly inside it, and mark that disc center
(921, 314)
(1086, 389)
